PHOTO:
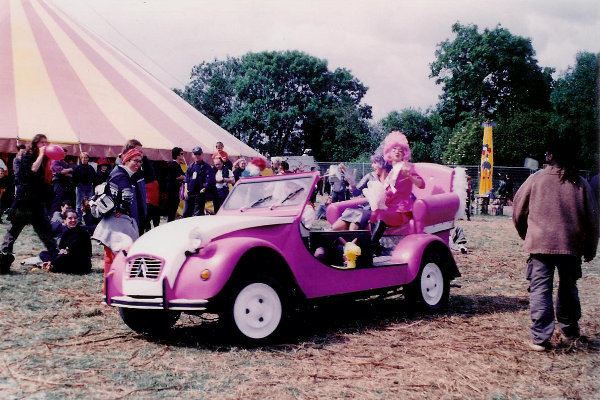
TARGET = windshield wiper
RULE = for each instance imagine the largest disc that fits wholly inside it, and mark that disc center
(289, 196)
(257, 202)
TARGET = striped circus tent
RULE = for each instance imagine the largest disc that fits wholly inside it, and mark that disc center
(58, 78)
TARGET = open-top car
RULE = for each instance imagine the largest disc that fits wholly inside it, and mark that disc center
(258, 258)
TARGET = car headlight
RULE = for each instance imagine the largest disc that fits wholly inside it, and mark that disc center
(196, 240)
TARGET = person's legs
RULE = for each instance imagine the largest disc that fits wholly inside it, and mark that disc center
(172, 204)
(568, 307)
(339, 225)
(57, 199)
(199, 203)
(190, 204)
(6, 255)
(540, 273)
(42, 228)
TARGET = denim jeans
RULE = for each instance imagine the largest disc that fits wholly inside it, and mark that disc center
(540, 273)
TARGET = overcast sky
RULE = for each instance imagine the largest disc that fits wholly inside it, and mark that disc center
(388, 45)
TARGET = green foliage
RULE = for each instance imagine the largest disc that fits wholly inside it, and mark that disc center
(284, 102)
(492, 74)
(575, 102)
(525, 134)
(464, 146)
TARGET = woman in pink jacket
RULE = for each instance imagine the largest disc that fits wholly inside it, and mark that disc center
(398, 186)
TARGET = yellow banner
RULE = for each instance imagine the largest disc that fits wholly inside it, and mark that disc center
(487, 160)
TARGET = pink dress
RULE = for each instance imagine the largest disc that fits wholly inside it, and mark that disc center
(397, 199)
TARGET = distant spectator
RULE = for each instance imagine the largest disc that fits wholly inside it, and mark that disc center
(338, 184)
(238, 168)
(199, 182)
(175, 180)
(58, 218)
(89, 221)
(223, 177)
(102, 171)
(220, 153)
(84, 178)
(285, 168)
(62, 175)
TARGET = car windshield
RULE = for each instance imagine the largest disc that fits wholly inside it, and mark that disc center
(270, 193)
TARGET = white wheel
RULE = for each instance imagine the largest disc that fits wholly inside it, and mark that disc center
(432, 284)
(257, 310)
(431, 288)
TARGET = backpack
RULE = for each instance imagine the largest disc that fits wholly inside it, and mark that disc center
(102, 203)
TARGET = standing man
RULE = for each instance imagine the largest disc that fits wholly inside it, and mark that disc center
(199, 180)
(175, 178)
(28, 205)
(555, 212)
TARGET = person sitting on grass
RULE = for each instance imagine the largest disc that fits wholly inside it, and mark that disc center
(75, 249)
(57, 220)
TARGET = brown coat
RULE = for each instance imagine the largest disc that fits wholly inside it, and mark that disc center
(556, 217)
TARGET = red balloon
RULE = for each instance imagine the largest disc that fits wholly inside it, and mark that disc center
(54, 152)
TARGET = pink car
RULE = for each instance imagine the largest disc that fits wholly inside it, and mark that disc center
(257, 259)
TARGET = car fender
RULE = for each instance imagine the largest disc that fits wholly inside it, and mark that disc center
(220, 258)
(410, 251)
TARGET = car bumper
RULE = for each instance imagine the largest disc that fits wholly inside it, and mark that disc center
(164, 302)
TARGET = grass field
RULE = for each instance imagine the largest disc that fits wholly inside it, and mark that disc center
(58, 341)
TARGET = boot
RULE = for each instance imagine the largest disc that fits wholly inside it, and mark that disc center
(376, 234)
(5, 262)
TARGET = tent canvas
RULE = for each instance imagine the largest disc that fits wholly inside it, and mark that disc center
(59, 79)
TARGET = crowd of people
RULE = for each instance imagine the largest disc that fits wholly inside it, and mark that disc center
(55, 195)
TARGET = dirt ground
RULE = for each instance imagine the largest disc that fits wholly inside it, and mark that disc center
(58, 341)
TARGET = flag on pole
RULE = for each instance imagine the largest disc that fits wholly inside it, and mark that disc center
(487, 159)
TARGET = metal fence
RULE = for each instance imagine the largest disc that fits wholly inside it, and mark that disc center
(517, 175)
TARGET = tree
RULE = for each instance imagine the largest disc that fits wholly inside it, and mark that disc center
(464, 146)
(575, 102)
(283, 103)
(492, 74)
(524, 134)
(424, 131)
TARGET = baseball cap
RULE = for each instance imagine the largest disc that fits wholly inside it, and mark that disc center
(197, 150)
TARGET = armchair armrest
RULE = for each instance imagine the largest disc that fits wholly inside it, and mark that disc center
(435, 209)
(335, 210)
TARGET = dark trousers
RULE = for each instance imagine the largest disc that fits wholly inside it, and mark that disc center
(152, 217)
(540, 273)
(338, 196)
(61, 193)
(41, 226)
(172, 204)
(194, 205)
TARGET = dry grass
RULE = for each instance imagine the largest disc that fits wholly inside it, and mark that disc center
(59, 342)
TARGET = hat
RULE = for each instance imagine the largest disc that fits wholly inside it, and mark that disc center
(130, 154)
(197, 150)
(103, 161)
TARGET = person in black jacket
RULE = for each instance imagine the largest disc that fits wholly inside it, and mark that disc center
(28, 206)
(84, 177)
(75, 249)
(175, 178)
(199, 181)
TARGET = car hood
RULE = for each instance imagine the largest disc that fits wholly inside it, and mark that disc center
(176, 233)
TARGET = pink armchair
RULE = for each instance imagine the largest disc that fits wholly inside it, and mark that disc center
(434, 208)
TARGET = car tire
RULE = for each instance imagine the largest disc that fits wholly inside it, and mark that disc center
(256, 312)
(149, 322)
(431, 288)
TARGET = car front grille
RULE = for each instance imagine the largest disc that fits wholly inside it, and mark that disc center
(145, 268)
